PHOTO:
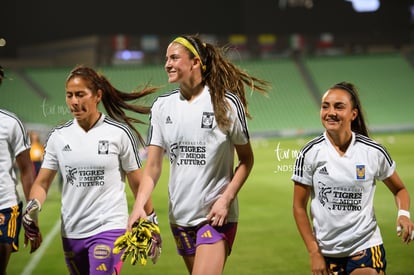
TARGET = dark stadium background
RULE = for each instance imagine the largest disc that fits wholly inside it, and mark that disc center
(374, 50)
(26, 23)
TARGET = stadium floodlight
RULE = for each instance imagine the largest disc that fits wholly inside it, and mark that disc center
(365, 5)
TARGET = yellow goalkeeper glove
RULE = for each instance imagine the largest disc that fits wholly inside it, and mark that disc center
(142, 242)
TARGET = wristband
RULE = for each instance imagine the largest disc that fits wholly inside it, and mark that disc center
(402, 212)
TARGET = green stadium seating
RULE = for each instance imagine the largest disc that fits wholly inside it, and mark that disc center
(385, 82)
(289, 107)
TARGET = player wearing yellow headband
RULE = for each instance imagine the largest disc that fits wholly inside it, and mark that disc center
(201, 125)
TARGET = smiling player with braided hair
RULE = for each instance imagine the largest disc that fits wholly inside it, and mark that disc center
(97, 154)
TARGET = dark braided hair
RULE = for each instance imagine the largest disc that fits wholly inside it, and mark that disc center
(115, 101)
(358, 125)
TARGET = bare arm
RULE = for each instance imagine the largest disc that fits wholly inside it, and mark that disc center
(41, 185)
(37, 197)
(26, 171)
(301, 196)
(149, 179)
(220, 209)
(402, 200)
(134, 180)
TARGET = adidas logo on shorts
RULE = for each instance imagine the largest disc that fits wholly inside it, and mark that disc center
(102, 267)
(206, 234)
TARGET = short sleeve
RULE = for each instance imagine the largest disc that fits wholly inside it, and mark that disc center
(303, 169)
(19, 139)
(50, 159)
(155, 132)
(239, 132)
(129, 154)
(386, 165)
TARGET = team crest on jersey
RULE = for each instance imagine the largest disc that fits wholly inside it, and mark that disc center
(207, 120)
(360, 172)
(103, 147)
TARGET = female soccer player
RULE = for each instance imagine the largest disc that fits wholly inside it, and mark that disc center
(95, 153)
(14, 149)
(337, 171)
(200, 125)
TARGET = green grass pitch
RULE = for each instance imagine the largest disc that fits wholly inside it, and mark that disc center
(267, 241)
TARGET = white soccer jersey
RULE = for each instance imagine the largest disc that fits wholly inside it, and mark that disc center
(13, 141)
(343, 190)
(201, 155)
(92, 165)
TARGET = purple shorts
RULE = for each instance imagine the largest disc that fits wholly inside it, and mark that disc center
(93, 255)
(10, 225)
(188, 238)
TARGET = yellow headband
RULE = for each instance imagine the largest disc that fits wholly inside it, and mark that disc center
(189, 46)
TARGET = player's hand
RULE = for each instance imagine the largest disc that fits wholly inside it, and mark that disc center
(318, 264)
(405, 229)
(219, 212)
(135, 215)
(31, 226)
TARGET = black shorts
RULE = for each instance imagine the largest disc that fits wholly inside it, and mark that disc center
(373, 257)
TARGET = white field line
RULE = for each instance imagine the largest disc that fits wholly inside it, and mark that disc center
(37, 256)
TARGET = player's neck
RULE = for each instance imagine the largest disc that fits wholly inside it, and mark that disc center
(90, 123)
(191, 92)
(340, 141)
